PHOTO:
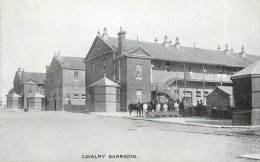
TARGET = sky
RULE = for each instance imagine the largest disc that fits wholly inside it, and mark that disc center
(32, 30)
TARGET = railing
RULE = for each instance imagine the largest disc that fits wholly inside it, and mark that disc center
(199, 77)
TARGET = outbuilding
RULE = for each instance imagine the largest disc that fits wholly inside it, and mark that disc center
(246, 89)
(35, 102)
(14, 101)
(104, 96)
(221, 97)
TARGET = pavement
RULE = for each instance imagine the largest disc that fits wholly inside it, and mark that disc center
(196, 121)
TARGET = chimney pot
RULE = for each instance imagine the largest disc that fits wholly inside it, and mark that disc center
(226, 49)
(98, 33)
(177, 43)
(104, 36)
(156, 40)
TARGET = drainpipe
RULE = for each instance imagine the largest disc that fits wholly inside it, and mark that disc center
(203, 86)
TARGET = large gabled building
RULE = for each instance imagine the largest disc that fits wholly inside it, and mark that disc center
(27, 83)
(145, 70)
(65, 84)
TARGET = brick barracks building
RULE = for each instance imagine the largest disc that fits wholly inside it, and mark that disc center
(65, 84)
(26, 84)
(145, 70)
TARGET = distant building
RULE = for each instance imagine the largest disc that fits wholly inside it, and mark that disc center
(221, 97)
(27, 83)
(65, 84)
(145, 70)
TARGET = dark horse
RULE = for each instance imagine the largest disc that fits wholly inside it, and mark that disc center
(152, 106)
(137, 107)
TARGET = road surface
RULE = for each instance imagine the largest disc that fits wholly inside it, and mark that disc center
(63, 136)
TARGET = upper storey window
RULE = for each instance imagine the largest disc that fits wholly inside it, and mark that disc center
(76, 75)
(138, 71)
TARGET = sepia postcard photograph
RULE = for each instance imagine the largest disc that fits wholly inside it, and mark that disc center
(130, 81)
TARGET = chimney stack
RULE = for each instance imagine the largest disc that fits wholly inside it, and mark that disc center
(226, 49)
(121, 41)
(104, 36)
(170, 42)
(98, 33)
(177, 43)
(218, 47)
(156, 40)
(243, 53)
(165, 42)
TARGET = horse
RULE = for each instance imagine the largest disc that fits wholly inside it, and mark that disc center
(152, 106)
(137, 107)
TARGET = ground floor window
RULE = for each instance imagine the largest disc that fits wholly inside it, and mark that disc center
(139, 95)
(83, 96)
(76, 96)
(187, 96)
(198, 93)
(206, 93)
(67, 96)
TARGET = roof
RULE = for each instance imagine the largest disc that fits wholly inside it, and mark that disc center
(253, 69)
(186, 54)
(226, 89)
(13, 95)
(36, 77)
(104, 82)
(74, 63)
(35, 95)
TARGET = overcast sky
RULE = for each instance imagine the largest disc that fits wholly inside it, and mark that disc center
(33, 29)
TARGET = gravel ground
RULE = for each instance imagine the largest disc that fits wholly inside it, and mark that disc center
(62, 136)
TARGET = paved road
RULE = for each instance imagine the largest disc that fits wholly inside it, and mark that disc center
(61, 136)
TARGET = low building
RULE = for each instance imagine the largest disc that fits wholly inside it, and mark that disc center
(35, 102)
(221, 98)
(27, 83)
(104, 96)
(13, 101)
(65, 84)
(246, 89)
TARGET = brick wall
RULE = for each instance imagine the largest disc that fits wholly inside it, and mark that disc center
(72, 86)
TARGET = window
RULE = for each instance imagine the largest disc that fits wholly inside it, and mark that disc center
(206, 93)
(51, 79)
(76, 96)
(167, 68)
(220, 71)
(139, 96)
(54, 95)
(198, 93)
(104, 64)
(187, 95)
(30, 91)
(76, 75)
(83, 96)
(67, 96)
(139, 71)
